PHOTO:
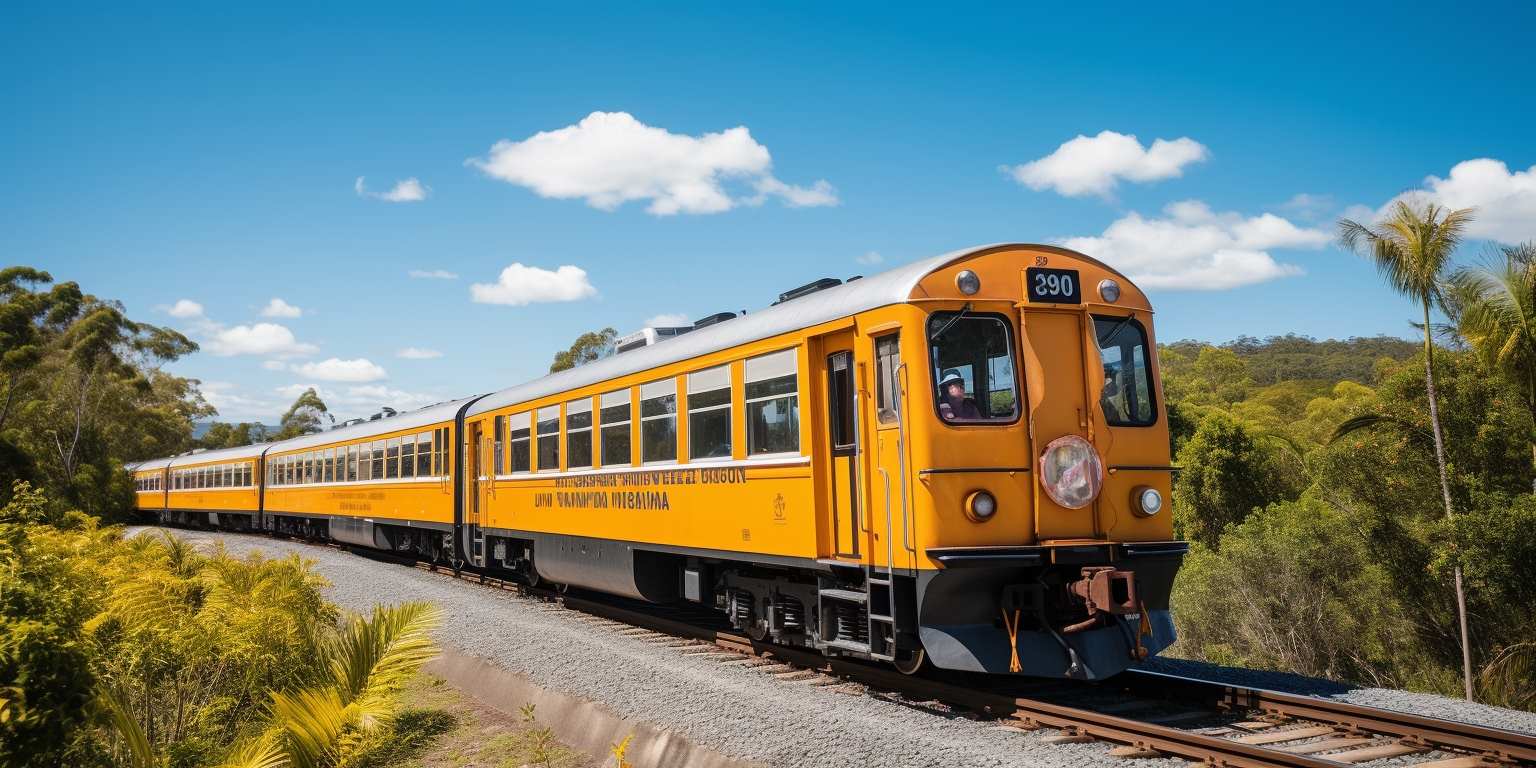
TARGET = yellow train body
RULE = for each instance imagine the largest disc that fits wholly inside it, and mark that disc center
(962, 460)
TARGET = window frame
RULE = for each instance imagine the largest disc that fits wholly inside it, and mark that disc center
(893, 385)
(579, 403)
(705, 388)
(541, 416)
(1014, 360)
(607, 401)
(516, 422)
(1131, 321)
(670, 384)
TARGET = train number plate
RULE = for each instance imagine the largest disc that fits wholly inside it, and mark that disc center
(1053, 286)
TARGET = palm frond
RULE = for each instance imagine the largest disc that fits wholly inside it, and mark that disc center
(141, 754)
(313, 723)
(373, 657)
(1370, 421)
(264, 751)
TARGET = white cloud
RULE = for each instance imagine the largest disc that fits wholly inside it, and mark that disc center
(274, 365)
(870, 258)
(279, 308)
(1195, 248)
(417, 353)
(268, 339)
(362, 400)
(336, 369)
(408, 191)
(235, 406)
(1505, 201)
(519, 285)
(668, 320)
(610, 158)
(433, 274)
(1094, 166)
(184, 309)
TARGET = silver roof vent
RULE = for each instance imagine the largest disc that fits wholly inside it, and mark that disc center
(645, 337)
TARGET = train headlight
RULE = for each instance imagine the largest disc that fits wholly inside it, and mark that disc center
(1148, 501)
(980, 506)
(1071, 472)
(967, 282)
(1109, 290)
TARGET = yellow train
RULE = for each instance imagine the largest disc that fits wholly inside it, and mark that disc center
(961, 462)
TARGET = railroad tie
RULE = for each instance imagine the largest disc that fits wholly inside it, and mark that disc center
(1134, 753)
(1364, 754)
(1313, 747)
(1464, 761)
(1067, 738)
(1275, 737)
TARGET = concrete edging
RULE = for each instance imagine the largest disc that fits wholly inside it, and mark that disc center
(583, 725)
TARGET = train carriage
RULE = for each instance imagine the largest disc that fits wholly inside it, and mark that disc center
(962, 462)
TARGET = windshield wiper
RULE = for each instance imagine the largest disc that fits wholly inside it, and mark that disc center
(932, 337)
(1115, 330)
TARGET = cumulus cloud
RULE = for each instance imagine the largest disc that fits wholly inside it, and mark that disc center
(184, 309)
(233, 405)
(433, 274)
(274, 365)
(870, 258)
(1192, 247)
(279, 308)
(519, 285)
(610, 158)
(407, 191)
(417, 353)
(1505, 200)
(1094, 166)
(668, 320)
(336, 369)
(361, 400)
(267, 339)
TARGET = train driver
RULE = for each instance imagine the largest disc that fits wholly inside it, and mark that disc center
(954, 404)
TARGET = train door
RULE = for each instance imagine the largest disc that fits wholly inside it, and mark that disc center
(891, 520)
(477, 462)
(1056, 363)
(846, 501)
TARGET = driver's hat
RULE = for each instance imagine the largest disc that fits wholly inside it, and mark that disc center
(951, 376)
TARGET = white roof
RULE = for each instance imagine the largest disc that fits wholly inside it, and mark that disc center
(422, 417)
(891, 287)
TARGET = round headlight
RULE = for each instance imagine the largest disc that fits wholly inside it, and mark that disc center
(1109, 290)
(967, 282)
(980, 506)
(1148, 501)
(1071, 472)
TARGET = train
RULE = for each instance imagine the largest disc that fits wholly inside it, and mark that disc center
(961, 463)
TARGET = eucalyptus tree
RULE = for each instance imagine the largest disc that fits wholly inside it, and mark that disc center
(1495, 311)
(1412, 246)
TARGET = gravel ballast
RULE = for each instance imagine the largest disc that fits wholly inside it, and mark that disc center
(737, 711)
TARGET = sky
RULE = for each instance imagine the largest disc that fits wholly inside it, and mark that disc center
(404, 203)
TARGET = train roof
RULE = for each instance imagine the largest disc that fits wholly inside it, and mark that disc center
(890, 287)
(421, 417)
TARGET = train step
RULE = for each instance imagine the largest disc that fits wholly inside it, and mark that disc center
(846, 595)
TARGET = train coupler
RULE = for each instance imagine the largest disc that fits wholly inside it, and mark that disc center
(1103, 590)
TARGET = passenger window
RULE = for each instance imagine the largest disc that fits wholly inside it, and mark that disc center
(887, 387)
(773, 404)
(972, 359)
(549, 438)
(709, 413)
(378, 460)
(578, 434)
(658, 421)
(519, 437)
(408, 456)
(424, 455)
(392, 458)
(1127, 396)
(615, 429)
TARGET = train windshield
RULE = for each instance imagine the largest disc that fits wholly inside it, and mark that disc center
(972, 359)
(1127, 396)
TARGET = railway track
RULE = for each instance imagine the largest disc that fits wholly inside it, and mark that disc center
(1145, 714)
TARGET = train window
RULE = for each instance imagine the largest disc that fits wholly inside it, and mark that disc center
(227, 474)
(549, 438)
(519, 435)
(424, 454)
(972, 359)
(578, 433)
(887, 388)
(709, 413)
(378, 459)
(498, 436)
(658, 421)
(442, 451)
(245, 475)
(327, 470)
(773, 404)
(365, 461)
(1127, 395)
(392, 458)
(348, 473)
(615, 429)
(408, 456)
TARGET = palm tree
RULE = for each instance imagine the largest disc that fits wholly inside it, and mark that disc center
(1412, 247)
(1496, 314)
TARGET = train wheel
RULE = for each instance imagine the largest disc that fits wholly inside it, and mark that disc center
(910, 663)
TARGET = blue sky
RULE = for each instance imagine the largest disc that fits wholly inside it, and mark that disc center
(211, 155)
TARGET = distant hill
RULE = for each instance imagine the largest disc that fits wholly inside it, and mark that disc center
(1302, 358)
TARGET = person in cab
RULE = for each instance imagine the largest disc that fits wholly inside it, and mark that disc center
(954, 403)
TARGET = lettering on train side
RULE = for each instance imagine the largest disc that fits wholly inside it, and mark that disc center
(646, 478)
